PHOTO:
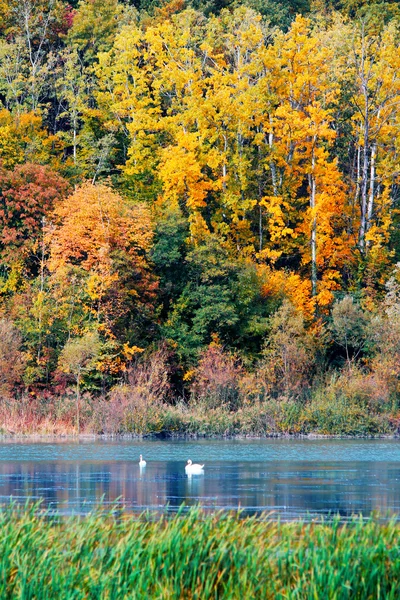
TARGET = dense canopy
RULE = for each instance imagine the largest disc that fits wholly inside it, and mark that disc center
(200, 174)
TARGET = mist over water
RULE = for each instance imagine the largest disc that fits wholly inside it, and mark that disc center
(290, 478)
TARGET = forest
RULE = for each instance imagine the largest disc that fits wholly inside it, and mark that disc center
(199, 216)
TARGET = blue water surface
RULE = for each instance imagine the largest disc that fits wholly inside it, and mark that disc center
(287, 478)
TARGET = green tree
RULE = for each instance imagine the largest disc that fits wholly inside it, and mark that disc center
(349, 327)
(78, 357)
(289, 353)
(12, 358)
(94, 27)
(223, 298)
(168, 255)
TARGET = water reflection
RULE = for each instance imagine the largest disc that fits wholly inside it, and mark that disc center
(291, 489)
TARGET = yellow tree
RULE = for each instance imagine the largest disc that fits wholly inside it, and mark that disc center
(375, 68)
(182, 90)
(128, 97)
(308, 195)
(230, 115)
(236, 131)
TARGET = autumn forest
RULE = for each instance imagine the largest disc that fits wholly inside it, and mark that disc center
(199, 216)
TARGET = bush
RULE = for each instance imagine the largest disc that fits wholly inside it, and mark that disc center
(217, 380)
(137, 407)
(288, 356)
(271, 417)
(369, 390)
(349, 327)
(342, 416)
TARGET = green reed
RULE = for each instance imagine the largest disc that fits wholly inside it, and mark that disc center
(194, 556)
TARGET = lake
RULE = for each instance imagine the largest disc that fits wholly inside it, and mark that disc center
(289, 478)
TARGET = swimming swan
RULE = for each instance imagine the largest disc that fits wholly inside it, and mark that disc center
(192, 469)
(142, 463)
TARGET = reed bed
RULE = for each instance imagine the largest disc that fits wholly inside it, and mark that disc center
(194, 556)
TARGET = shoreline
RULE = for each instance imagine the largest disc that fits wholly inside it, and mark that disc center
(96, 437)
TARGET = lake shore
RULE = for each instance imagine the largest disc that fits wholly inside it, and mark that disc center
(90, 437)
(123, 416)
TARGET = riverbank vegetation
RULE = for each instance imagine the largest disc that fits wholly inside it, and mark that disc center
(199, 556)
(199, 213)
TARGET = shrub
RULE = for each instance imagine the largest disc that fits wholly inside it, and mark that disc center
(217, 380)
(288, 354)
(346, 407)
(342, 417)
(137, 406)
(45, 414)
(349, 327)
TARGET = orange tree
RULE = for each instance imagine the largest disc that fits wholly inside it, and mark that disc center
(99, 270)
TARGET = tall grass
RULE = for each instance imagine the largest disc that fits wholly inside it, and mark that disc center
(195, 556)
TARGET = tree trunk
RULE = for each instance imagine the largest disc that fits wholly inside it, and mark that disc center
(312, 184)
(371, 195)
(358, 174)
(365, 168)
(271, 163)
(224, 173)
(74, 142)
(78, 424)
(364, 187)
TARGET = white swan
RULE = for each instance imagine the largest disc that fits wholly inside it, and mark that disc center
(193, 469)
(142, 463)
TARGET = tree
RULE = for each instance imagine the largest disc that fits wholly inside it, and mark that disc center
(78, 357)
(99, 243)
(28, 194)
(307, 201)
(94, 27)
(349, 327)
(187, 111)
(72, 89)
(168, 255)
(223, 298)
(376, 99)
(216, 380)
(383, 339)
(12, 358)
(34, 29)
(25, 139)
(235, 128)
(280, 13)
(289, 352)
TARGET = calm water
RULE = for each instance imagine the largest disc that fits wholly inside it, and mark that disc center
(293, 478)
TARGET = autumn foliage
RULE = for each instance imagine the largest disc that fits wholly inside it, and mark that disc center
(28, 194)
(221, 181)
(103, 242)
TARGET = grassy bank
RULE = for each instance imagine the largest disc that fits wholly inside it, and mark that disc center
(273, 418)
(221, 401)
(195, 556)
(322, 415)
